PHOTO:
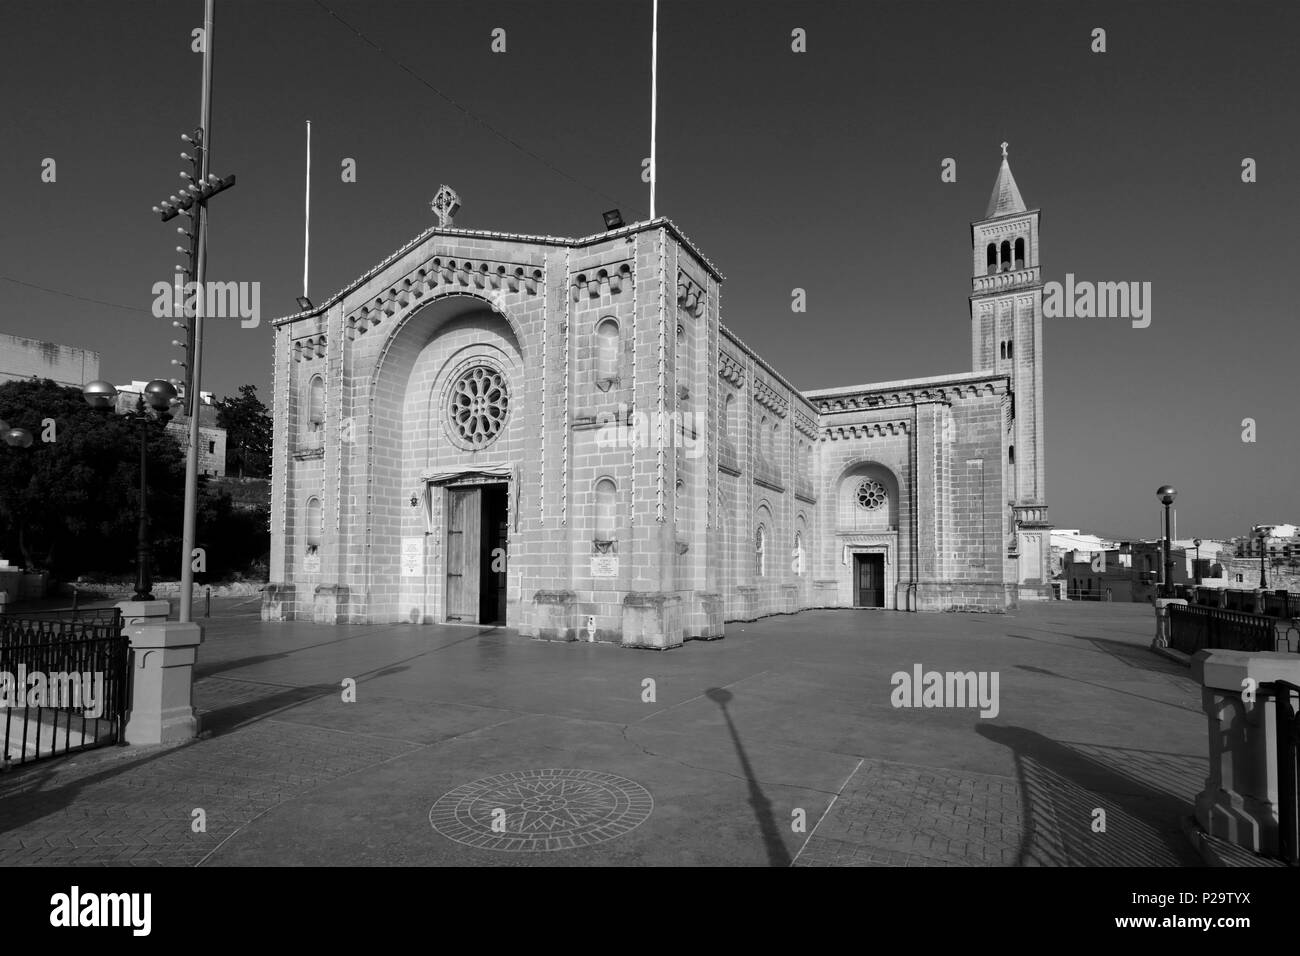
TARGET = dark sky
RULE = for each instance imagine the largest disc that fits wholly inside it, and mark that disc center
(818, 170)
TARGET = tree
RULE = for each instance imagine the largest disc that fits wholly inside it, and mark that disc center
(70, 505)
(248, 433)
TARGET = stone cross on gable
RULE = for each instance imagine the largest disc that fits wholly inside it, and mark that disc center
(446, 204)
(1004, 150)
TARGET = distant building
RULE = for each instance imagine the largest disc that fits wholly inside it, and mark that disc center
(212, 438)
(22, 358)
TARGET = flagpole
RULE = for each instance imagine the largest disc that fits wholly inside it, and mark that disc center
(654, 102)
(306, 223)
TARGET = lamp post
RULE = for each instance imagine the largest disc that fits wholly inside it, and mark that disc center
(1263, 548)
(158, 395)
(1197, 567)
(1166, 494)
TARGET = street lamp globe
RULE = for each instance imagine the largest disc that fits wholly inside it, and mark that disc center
(1166, 494)
(159, 395)
(18, 438)
(99, 394)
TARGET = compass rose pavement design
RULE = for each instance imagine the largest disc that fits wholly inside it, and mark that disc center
(538, 810)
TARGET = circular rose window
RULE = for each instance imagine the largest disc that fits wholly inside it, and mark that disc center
(478, 404)
(871, 494)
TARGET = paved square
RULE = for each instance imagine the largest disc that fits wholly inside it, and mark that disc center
(787, 719)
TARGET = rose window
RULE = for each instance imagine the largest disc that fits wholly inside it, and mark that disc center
(871, 494)
(478, 405)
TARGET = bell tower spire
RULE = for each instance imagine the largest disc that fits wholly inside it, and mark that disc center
(1006, 310)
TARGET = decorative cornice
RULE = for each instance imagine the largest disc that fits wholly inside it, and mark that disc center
(804, 424)
(593, 284)
(690, 294)
(488, 276)
(627, 232)
(1003, 281)
(311, 347)
(770, 398)
(901, 397)
(730, 368)
(865, 430)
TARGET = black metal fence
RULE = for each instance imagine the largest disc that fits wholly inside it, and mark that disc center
(1192, 627)
(1287, 722)
(64, 681)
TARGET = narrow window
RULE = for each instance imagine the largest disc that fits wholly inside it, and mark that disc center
(316, 404)
(607, 351)
(991, 260)
(315, 525)
(1011, 454)
(1006, 256)
(1002, 350)
(1020, 253)
(760, 552)
(1011, 350)
(798, 554)
(606, 497)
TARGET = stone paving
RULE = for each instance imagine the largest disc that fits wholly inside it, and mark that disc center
(788, 717)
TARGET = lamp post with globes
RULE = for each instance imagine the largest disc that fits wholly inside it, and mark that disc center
(1166, 494)
(158, 396)
(1196, 542)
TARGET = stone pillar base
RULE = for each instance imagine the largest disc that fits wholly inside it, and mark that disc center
(1162, 620)
(554, 616)
(652, 619)
(1240, 800)
(704, 622)
(143, 612)
(278, 602)
(162, 681)
(330, 604)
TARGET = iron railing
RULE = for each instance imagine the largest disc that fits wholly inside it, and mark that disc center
(66, 680)
(1287, 724)
(1192, 628)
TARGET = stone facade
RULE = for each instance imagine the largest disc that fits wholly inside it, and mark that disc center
(24, 358)
(560, 435)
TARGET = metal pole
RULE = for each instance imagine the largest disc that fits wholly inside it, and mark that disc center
(654, 103)
(143, 586)
(306, 220)
(200, 269)
(1169, 561)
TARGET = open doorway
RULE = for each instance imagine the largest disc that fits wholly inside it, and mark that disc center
(477, 531)
(869, 580)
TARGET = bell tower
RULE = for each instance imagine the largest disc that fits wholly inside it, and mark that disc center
(1006, 310)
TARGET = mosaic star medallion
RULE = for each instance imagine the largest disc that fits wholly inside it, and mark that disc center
(543, 810)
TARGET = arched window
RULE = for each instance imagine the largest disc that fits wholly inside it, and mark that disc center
(316, 404)
(762, 438)
(760, 552)
(606, 509)
(606, 352)
(729, 418)
(1020, 253)
(1011, 454)
(1011, 351)
(776, 443)
(798, 554)
(1002, 350)
(1006, 255)
(315, 525)
(991, 260)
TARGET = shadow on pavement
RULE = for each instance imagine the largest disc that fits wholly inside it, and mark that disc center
(777, 854)
(1068, 798)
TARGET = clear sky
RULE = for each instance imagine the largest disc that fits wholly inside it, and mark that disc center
(818, 170)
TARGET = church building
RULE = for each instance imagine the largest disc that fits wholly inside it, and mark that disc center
(560, 436)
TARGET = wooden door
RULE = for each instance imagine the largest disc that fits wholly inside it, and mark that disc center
(464, 546)
(871, 580)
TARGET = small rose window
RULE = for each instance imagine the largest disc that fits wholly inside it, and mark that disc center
(478, 405)
(871, 494)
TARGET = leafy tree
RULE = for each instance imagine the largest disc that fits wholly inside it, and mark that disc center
(248, 433)
(70, 505)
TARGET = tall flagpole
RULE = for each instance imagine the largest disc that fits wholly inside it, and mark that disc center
(306, 222)
(190, 523)
(654, 102)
